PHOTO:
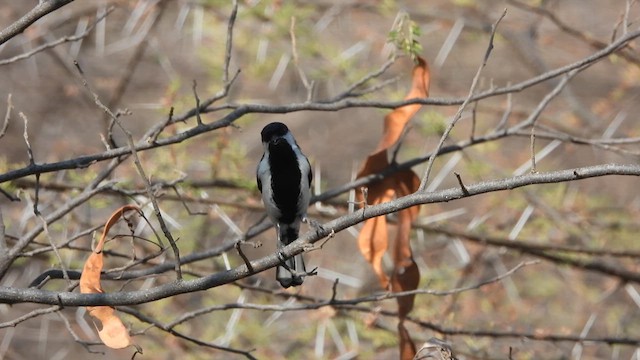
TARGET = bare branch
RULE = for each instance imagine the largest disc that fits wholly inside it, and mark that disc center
(241, 110)
(61, 211)
(458, 115)
(7, 116)
(3, 240)
(42, 9)
(155, 323)
(14, 295)
(62, 40)
(228, 47)
(30, 315)
(296, 61)
(150, 192)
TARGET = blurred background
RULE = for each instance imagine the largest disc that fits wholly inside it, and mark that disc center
(143, 58)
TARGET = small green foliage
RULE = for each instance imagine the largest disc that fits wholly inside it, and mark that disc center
(404, 36)
(433, 123)
(464, 3)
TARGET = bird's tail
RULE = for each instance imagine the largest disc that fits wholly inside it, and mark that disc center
(293, 271)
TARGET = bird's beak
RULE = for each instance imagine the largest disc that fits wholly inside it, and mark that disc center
(277, 141)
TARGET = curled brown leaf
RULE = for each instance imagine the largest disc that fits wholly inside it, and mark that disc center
(373, 240)
(113, 333)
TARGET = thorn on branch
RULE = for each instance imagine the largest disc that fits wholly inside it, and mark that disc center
(195, 94)
(244, 257)
(533, 150)
(334, 290)
(462, 187)
(153, 137)
(365, 200)
(9, 195)
(493, 33)
(31, 163)
(313, 272)
(473, 120)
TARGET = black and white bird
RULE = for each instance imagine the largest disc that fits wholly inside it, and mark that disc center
(284, 179)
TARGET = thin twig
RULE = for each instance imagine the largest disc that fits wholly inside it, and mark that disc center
(229, 46)
(296, 61)
(12, 295)
(132, 64)
(567, 29)
(96, 186)
(244, 109)
(502, 125)
(458, 115)
(76, 338)
(473, 121)
(462, 187)
(32, 162)
(170, 329)
(25, 135)
(3, 240)
(533, 149)
(29, 315)
(350, 91)
(42, 9)
(195, 95)
(59, 41)
(7, 116)
(150, 192)
(54, 248)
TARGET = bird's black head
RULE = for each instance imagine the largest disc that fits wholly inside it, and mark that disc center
(274, 130)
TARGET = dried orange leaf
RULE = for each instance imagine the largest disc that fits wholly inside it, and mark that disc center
(373, 243)
(373, 240)
(406, 275)
(90, 278)
(113, 334)
(395, 121)
(407, 347)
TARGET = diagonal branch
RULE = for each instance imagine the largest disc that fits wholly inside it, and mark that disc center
(16, 295)
(57, 42)
(43, 8)
(241, 110)
(458, 115)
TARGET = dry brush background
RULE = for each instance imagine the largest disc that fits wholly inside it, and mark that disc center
(514, 262)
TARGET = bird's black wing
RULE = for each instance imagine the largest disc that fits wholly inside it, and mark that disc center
(310, 174)
(258, 174)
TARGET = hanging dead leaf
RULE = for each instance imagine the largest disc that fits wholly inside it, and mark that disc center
(113, 334)
(407, 346)
(373, 240)
(406, 275)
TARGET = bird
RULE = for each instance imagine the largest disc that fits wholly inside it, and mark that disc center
(284, 178)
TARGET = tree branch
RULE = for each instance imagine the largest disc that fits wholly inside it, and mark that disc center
(239, 111)
(14, 295)
(44, 8)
